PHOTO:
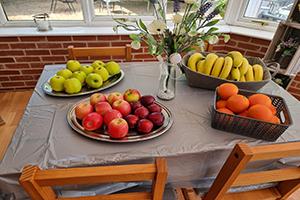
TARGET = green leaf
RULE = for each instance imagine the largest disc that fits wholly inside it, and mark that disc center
(226, 37)
(142, 25)
(211, 30)
(211, 23)
(134, 37)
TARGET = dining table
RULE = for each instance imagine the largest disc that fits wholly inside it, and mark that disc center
(194, 150)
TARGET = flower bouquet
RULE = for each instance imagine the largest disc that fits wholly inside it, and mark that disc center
(188, 31)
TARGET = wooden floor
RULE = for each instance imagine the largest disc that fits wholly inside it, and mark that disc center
(12, 109)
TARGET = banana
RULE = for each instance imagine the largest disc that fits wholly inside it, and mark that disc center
(244, 67)
(258, 72)
(217, 67)
(235, 74)
(209, 62)
(243, 79)
(237, 58)
(193, 60)
(249, 74)
(200, 66)
(226, 68)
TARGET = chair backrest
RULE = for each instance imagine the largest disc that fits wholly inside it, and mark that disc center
(38, 183)
(124, 51)
(230, 175)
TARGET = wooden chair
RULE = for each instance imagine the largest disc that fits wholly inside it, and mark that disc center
(230, 175)
(75, 52)
(37, 183)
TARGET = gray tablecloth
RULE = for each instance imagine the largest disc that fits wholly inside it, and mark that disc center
(193, 149)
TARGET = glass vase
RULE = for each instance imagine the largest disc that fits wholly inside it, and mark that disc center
(167, 81)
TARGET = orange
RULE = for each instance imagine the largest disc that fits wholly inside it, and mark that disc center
(226, 90)
(273, 109)
(275, 120)
(260, 99)
(244, 114)
(221, 104)
(237, 103)
(260, 112)
(225, 110)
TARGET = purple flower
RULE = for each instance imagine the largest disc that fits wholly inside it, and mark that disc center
(204, 8)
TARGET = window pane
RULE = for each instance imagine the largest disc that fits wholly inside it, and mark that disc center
(273, 10)
(57, 9)
(123, 7)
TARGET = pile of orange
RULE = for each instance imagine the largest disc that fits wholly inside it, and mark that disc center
(257, 106)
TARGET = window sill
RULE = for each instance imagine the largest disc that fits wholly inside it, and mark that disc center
(65, 31)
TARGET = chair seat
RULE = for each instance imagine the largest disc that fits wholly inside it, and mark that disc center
(264, 194)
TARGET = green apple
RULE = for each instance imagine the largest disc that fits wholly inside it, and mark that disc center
(86, 69)
(102, 71)
(57, 83)
(64, 73)
(72, 86)
(73, 65)
(94, 80)
(80, 75)
(113, 68)
(97, 63)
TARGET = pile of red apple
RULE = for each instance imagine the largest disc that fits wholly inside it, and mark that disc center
(117, 113)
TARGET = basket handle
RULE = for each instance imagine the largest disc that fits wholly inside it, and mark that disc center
(273, 67)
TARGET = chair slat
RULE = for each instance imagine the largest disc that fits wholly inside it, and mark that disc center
(267, 176)
(91, 175)
(125, 196)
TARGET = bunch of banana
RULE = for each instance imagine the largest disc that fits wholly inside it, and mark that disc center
(233, 67)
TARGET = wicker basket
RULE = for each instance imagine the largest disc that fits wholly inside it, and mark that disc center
(252, 127)
(200, 80)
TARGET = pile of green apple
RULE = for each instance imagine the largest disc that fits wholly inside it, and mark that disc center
(75, 76)
(118, 113)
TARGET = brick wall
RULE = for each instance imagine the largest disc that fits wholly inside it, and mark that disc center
(22, 58)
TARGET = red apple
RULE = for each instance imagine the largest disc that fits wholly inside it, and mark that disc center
(147, 100)
(122, 106)
(97, 97)
(154, 108)
(83, 109)
(92, 121)
(110, 115)
(102, 107)
(141, 112)
(132, 95)
(135, 105)
(132, 121)
(112, 97)
(117, 128)
(144, 126)
(157, 118)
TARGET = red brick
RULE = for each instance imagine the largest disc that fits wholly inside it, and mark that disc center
(263, 49)
(108, 37)
(294, 90)
(100, 58)
(294, 84)
(7, 60)
(77, 44)
(84, 38)
(227, 48)
(297, 78)
(22, 46)
(53, 58)
(140, 50)
(17, 66)
(260, 41)
(239, 37)
(59, 52)
(27, 59)
(59, 38)
(98, 44)
(37, 65)
(8, 84)
(36, 77)
(49, 45)
(4, 46)
(218, 47)
(32, 71)
(9, 72)
(4, 78)
(37, 52)
(33, 38)
(20, 78)
(119, 44)
(9, 39)
(125, 37)
(11, 53)
(248, 46)
(296, 96)
(30, 83)
(254, 54)
(143, 56)
(231, 43)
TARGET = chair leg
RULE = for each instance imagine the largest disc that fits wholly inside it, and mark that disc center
(55, 4)
(52, 4)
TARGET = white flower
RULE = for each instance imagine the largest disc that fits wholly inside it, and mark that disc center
(135, 45)
(157, 26)
(177, 18)
(175, 58)
(213, 39)
(160, 58)
(190, 1)
(192, 33)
